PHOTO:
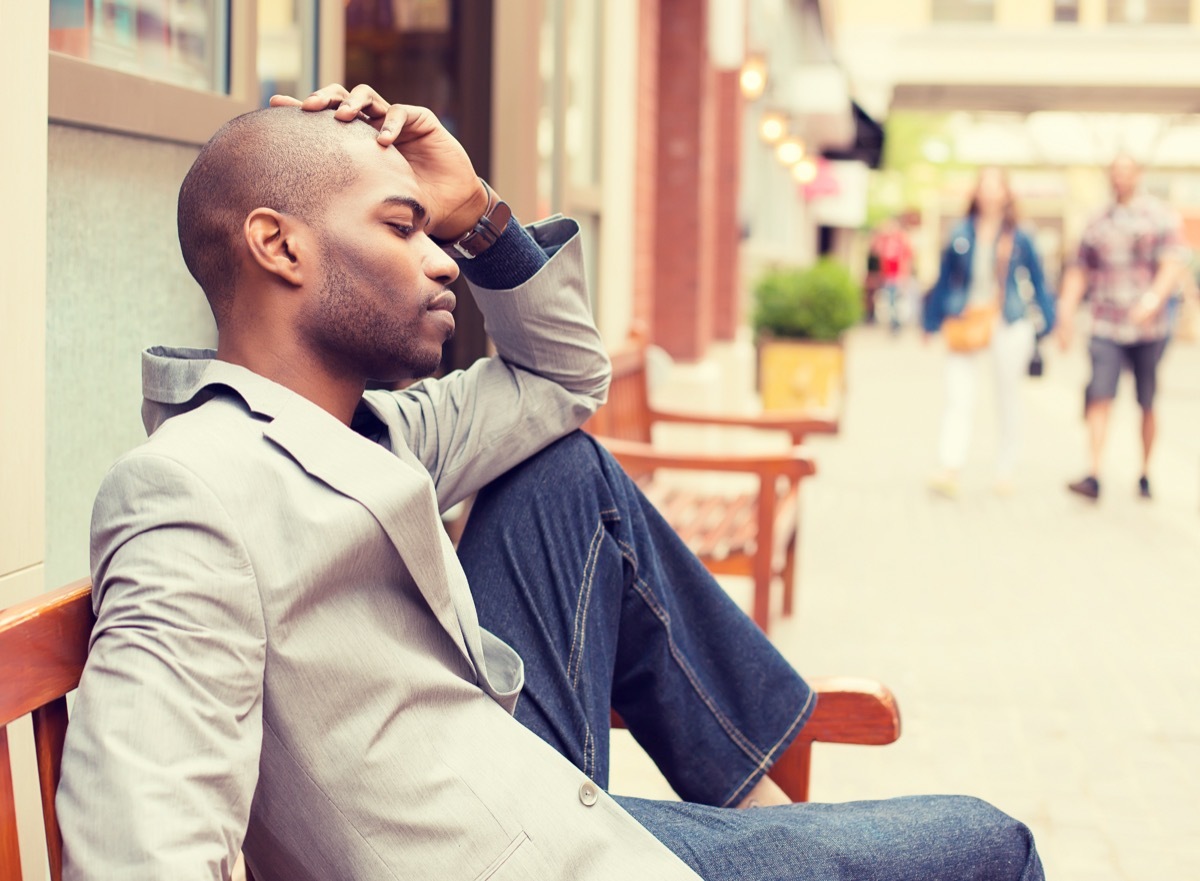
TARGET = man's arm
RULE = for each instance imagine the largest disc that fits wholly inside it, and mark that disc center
(1171, 254)
(161, 758)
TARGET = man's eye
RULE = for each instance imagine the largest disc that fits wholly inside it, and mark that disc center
(403, 229)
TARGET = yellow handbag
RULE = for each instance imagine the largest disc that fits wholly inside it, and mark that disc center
(971, 330)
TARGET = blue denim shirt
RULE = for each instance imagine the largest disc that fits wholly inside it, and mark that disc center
(948, 296)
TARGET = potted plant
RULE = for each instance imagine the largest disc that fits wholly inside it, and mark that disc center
(800, 316)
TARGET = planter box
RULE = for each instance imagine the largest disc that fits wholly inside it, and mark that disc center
(802, 375)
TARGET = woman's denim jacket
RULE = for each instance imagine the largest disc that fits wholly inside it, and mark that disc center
(949, 295)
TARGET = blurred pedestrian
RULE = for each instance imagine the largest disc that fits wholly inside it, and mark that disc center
(1131, 258)
(977, 304)
(894, 253)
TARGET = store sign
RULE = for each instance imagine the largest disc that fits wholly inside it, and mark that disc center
(838, 195)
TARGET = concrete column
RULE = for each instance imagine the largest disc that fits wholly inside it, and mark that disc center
(1092, 13)
(1021, 13)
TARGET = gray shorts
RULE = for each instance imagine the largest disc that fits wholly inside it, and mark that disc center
(1108, 357)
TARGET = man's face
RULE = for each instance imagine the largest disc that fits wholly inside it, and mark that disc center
(1124, 174)
(383, 310)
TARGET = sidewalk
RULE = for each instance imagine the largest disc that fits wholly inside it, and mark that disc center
(1043, 649)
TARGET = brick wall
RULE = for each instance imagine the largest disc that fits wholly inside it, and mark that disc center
(727, 300)
(689, 123)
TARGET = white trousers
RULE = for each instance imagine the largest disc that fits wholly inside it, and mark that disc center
(1009, 354)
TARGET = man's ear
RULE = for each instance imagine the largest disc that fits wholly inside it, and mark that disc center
(277, 244)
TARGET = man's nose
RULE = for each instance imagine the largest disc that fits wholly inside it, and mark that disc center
(439, 265)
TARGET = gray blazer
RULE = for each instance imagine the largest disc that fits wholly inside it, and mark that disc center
(287, 657)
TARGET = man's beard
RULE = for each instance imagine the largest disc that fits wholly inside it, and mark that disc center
(361, 338)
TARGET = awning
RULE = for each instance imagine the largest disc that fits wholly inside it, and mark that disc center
(867, 145)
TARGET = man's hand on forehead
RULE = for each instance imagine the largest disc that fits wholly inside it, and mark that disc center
(453, 193)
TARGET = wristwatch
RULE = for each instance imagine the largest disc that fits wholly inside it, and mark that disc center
(483, 234)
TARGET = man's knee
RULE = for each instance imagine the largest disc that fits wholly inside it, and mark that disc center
(571, 462)
(1004, 844)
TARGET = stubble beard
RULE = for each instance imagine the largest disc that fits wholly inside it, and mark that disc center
(360, 338)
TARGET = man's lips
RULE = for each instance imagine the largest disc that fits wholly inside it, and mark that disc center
(443, 302)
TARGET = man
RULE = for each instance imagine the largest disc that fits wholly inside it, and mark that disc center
(289, 657)
(1130, 260)
(895, 264)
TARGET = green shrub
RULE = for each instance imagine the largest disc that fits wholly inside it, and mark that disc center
(818, 302)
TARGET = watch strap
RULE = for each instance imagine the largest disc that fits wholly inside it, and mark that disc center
(484, 233)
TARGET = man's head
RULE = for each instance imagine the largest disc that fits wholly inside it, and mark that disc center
(1125, 175)
(302, 228)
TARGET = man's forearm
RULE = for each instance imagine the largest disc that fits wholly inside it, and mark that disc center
(1166, 279)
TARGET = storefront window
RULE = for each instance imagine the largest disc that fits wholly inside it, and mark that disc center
(1149, 11)
(570, 121)
(954, 11)
(287, 48)
(435, 54)
(183, 42)
(1066, 11)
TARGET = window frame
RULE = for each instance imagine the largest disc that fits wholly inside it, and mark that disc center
(88, 95)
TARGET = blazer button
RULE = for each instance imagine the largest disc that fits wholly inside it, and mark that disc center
(588, 793)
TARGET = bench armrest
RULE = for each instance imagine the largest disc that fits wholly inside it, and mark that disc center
(796, 426)
(852, 710)
(848, 710)
(637, 457)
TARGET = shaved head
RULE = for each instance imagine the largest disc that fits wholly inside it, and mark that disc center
(281, 158)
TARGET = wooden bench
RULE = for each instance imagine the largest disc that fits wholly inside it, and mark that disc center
(753, 534)
(44, 643)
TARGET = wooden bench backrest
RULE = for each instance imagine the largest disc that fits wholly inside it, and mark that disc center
(626, 416)
(43, 646)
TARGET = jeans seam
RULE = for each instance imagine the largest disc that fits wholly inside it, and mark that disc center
(589, 751)
(574, 664)
(731, 730)
(769, 758)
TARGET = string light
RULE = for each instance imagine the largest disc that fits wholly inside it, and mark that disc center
(773, 127)
(804, 171)
(790, 151)
(753, 78)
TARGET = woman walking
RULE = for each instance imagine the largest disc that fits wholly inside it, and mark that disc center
(978, 307)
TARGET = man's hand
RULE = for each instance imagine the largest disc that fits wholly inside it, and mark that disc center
(1146, 308)
(452, 192)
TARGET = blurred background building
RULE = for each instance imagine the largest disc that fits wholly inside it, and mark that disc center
(1051, 89)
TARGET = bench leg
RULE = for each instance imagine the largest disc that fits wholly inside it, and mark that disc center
(789, 579)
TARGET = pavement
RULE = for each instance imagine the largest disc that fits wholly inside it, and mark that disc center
(1043, 648)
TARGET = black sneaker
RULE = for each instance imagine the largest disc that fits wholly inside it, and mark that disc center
(1089, 487)
(1144, 487)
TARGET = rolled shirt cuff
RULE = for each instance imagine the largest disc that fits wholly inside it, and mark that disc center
(514, 259)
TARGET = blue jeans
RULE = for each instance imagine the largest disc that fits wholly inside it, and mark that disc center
(573, 567)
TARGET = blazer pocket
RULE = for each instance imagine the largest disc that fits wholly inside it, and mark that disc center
(493, 870)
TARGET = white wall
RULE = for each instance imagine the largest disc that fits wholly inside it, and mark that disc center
(116, 284)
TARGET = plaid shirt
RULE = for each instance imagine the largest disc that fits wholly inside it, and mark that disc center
(1120, 252)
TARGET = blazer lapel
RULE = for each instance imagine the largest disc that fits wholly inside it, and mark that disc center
(401, 499)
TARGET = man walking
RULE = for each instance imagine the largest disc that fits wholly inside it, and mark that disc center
(1130, 260)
